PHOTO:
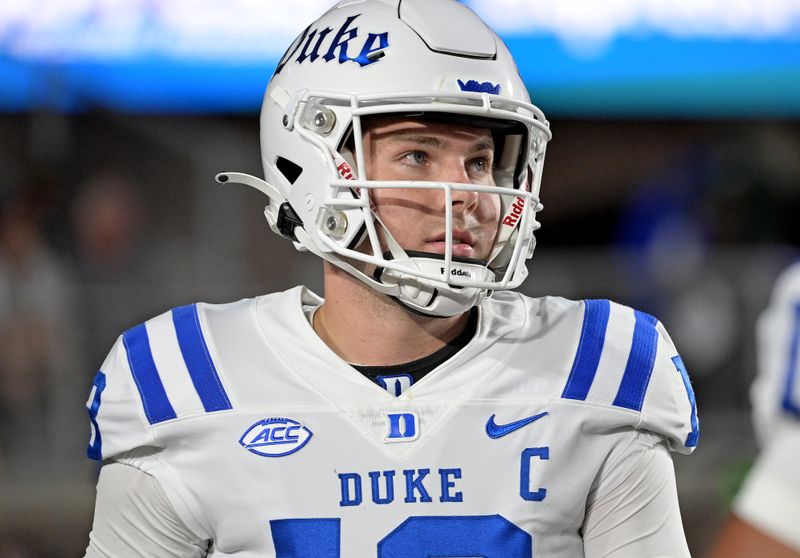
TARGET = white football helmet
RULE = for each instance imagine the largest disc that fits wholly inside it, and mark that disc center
(422, 58)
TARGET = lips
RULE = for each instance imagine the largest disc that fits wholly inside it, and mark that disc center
(463, 243)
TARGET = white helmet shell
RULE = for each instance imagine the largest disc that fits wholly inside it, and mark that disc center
(427, 58)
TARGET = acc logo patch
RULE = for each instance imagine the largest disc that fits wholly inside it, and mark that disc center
(275, 437)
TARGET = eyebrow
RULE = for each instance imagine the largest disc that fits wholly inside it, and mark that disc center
(484, 143)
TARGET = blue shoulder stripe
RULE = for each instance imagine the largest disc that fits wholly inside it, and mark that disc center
(641, 361)
(95, 449)
(788, 403)
(694, 435)
(590, 347)
(198, 360)
(156, 404)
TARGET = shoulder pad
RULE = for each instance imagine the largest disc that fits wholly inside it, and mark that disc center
(626, 360)
(156, 372)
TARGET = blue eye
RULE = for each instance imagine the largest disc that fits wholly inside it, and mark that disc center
(481, 165)
(417, 157)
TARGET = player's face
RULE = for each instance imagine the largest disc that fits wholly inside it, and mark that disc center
(410, 149)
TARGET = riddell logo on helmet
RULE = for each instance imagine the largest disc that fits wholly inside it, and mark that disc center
(345, 171)
(515, 213)
(455, 272)
(311, 44)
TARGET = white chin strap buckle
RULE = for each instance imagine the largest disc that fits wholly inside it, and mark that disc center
(431, 297)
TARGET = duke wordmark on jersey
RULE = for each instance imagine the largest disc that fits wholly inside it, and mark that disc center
(416, 486)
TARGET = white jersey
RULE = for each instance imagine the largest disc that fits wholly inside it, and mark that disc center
(770, 497)
(776, 391)
(270, 445)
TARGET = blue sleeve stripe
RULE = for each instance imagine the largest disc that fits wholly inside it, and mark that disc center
(694, 435)
(156, 404)
(641, 361)
(95, 449)
(198, 360)
(590, 347)
(788, 403)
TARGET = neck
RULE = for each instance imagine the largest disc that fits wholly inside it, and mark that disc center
(366, 327)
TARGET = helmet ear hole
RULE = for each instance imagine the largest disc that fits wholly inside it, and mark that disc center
(290, 170)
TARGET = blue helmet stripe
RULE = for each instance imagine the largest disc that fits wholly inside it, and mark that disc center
(198, 360)
(641, 361)
(156, 404)
(590, 347)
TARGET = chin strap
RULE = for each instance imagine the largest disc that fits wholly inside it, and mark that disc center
(428, 298)
(425, 296)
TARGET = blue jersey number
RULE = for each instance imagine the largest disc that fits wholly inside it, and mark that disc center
(484, 536)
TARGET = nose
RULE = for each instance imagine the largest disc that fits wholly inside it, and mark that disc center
(464, 201)
(456, 173)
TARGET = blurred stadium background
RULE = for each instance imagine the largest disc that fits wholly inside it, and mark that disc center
(672, 184)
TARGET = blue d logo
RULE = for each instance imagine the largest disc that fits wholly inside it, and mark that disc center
(403, 427)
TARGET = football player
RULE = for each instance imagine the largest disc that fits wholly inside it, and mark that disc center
(422, 408)
(766, 513)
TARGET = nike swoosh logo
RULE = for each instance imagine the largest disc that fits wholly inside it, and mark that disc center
(494, 430)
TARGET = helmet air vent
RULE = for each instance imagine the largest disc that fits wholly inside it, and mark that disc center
(464, 34)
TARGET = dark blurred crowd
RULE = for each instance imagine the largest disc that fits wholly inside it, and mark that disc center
(66, 273)
(62, 302)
